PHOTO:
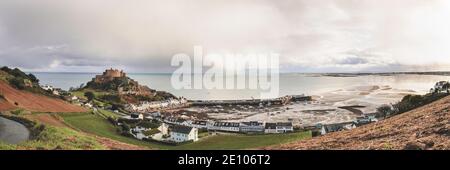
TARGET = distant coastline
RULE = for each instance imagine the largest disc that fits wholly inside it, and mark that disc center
(331, 74)
(435, 73)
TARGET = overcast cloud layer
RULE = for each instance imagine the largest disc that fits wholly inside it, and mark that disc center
(142, 36)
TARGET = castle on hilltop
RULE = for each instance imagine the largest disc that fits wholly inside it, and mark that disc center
(114, 79)
(109, 75)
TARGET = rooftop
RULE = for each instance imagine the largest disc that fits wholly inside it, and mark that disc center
(226, 124)
(182, 129)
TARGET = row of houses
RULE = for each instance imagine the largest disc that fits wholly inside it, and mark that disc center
(237, 127)
(257, 127)
(54, 90)
(146, 106)
(167, 133)
(180, 130)
(322, 129)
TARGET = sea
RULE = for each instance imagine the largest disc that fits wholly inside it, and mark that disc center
(289, 84)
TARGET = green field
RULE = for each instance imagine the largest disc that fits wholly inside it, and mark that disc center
(80, 93)
(106, 113)
(240, 141)
(97, 125)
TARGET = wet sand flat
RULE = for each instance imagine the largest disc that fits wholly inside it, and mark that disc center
(341, 105)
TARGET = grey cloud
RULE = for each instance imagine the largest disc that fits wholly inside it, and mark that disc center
(353, 60)
(143, 35)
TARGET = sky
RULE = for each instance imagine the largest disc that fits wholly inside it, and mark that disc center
(144, 35)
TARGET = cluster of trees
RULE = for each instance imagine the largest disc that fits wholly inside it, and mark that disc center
(82, 85)
(89, 95)
(409, 102)
(23, 81)
(19, 74)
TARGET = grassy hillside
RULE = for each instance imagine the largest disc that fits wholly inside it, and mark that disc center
(97, 125)
(94, 124)
(22, 81)
(21, 90)
(240, 141)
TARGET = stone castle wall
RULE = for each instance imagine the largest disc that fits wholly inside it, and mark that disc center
(109, 75)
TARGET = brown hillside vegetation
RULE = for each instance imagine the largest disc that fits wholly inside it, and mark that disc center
(424, 128)
(33, 102)
(5, 105)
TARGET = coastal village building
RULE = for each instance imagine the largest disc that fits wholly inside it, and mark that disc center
(164, 129)
(137, 116)
(175, 121)
(47, 87)
(280, 127)
(137, 132)
(324, 129)
(199, 124)
(252, 127)
(365, 120)
(146, 106)
(441, 86)
(270, 128)
(225, 126)
(155, 114)
(183, 134)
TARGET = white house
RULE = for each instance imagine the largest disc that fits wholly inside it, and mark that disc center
(164, 129)
(280, 127)
(88, 105)
(271, 128)
(199, 124)
(146, 106)
(252, 127)
(440, 87)
(283, 127)
(73, 98)
(137, 116)
(225, 126)
(183, 133)
(47, 87)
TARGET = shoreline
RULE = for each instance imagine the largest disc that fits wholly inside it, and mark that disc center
(341, 105)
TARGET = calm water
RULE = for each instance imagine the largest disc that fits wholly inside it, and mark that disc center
(290, 84)
(12, 132)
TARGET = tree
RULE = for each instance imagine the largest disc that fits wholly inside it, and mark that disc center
(17, 82)
(385, 110)
(33, 78)
(90, 96)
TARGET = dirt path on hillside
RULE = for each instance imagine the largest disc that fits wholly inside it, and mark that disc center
(48, 119)
(6, 106)
(34, 102)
